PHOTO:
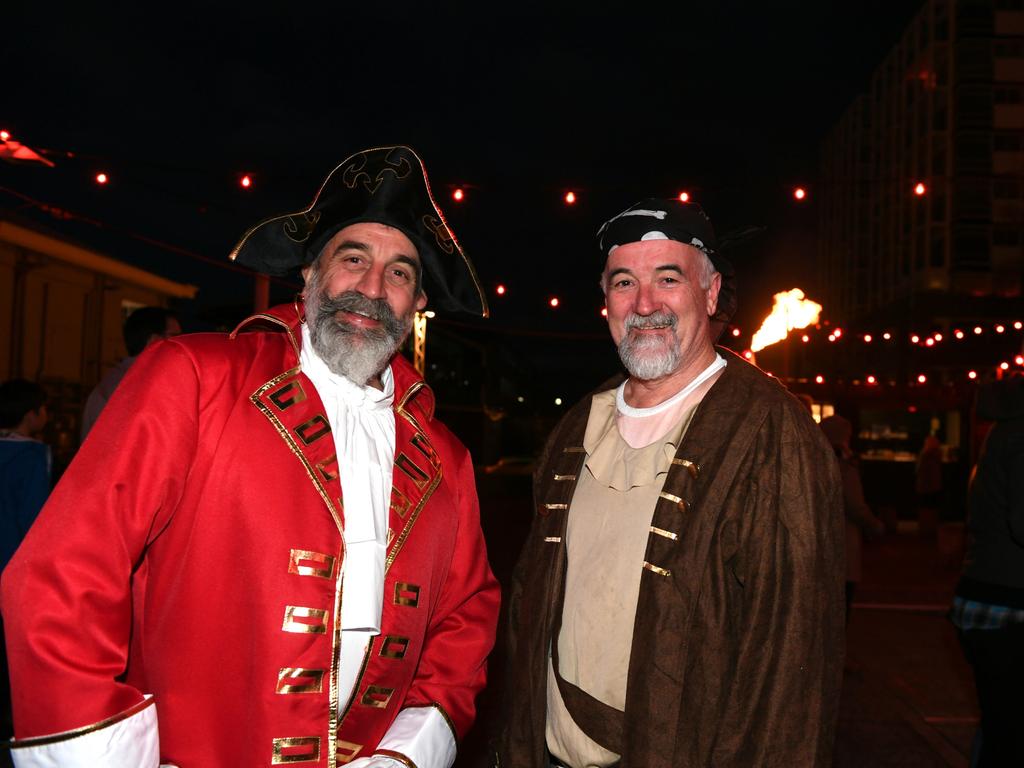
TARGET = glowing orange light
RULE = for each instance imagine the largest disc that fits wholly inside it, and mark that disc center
(604, 311)
(1018, 325)
(972, 374)
(457, 195)
(101, 178)
(805, 338)
(977, 330)
(867, 338)
(1019, 359)
(735, 331)
(800, 193)
(886, 335)
(4, 135)
(1004, 365)
(921, 378)
(819, 379)
(1000, 328)
(570, 197)
(920, 189)
(500, 290)
(684, 197)
(246, 181)
(959, 334)
(915, 338)
(929, 342)
(554, 301)
(871, 379)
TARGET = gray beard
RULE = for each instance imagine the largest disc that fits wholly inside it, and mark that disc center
(649, 357)
(358, 354)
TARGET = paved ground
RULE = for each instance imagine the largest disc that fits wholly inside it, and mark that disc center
(908, 696)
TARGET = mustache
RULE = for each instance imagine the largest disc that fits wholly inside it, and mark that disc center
(659, 319)
(353, 301)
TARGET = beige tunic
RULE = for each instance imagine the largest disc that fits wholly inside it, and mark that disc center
(608, 528)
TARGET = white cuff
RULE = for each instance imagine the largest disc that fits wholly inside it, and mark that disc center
(420, 737)
(126, 742)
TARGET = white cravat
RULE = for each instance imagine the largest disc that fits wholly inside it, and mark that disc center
(363, 424)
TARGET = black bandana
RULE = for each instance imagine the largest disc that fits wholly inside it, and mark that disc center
(672, 219)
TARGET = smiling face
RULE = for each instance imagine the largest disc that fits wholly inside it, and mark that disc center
(658, 308)
(361, 294)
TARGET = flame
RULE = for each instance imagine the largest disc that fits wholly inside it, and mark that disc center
(791, 310)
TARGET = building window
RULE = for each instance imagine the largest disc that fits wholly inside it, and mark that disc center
(1009, 49)
(1007, 189)
(1007, 235)
(1008, 142)
(1012, 94)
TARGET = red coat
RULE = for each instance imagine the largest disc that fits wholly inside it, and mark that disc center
(192, 551)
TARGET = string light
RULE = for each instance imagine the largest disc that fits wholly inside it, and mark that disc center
(921, 378)
(867, 338)
(4, 135)
(819, 379)
(554, 302)
(684, 197)
(500, 290)
(458, 195)
(915, 338)
(101, 178)
(887, 336)
(920, 189)
(604, 311)
(570, 198)
(938, 337)
(800, 193)
(972, 375)
(958, 333)
(246, 181)
(736, 332)
(837, 332)
(1019, 359)
(748, 354)
(871, 379)
(805, 338)
(1018, 325)
(977, 330)
(1004, 365)
(929, 342)
(1000, 328)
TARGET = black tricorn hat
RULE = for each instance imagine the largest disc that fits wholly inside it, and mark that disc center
(386, 185)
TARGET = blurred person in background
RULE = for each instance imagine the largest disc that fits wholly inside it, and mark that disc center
(24, 486)
(859, 519)
(988, 607)
(144, 326)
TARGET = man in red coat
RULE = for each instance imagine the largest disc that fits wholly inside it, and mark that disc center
(268, 551)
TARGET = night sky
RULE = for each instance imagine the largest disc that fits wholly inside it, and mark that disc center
(617, 101)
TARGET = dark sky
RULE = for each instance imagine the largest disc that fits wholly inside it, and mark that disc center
(615, 100)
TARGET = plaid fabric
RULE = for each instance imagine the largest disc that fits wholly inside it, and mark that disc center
(970, 614)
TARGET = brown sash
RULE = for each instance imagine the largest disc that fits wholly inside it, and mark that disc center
(599, 721)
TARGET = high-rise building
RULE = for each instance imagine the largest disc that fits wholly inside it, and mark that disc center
(922, 217)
